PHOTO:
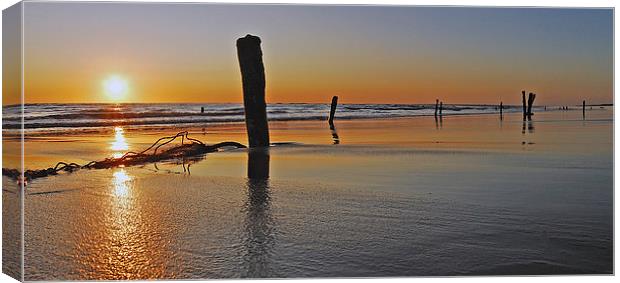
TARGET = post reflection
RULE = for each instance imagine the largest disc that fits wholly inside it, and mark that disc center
(335, 136)
(259, 224)
(438, 122)
(529, 125)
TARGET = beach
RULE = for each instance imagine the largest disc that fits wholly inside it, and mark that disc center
(392, 196)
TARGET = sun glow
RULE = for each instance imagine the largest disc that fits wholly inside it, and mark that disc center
(115, 88)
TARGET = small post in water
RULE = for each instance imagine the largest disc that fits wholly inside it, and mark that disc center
(436, 106)
(440, 108)
(530, 103)
(583, 107)
(253, 79)
(332, 111)
(524, 105)
(501, 108)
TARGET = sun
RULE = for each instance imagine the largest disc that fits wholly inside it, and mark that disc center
(115, 88)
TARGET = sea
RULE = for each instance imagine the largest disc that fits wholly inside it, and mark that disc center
(76, 117)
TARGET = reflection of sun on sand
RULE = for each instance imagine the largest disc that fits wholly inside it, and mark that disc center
(121, 183)
(119, 144)
(122, 244)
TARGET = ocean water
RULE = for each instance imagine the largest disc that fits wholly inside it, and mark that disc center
(76, 117)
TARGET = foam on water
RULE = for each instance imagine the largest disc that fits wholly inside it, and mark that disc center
(65, 117)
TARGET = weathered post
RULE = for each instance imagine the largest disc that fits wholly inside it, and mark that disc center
(440, 108)
(524, 105)
(436, 106)
(332, 111)
(253, 78)
(530, 103)
(258, 163)
(501, 108)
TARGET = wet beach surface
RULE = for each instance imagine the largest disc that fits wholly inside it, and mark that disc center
(466, 195)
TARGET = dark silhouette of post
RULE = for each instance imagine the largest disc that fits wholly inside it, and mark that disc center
(436, 106)
(202, 110)
(440, 108)
(332, 111)
(524, 105)
(258, 163)
(253, 78)
(501, 108)
(583, 108)
(530, 103)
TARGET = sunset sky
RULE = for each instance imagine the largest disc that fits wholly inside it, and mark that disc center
(186, 53)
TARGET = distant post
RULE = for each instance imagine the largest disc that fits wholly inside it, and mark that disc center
(440, 108)
(436, 106)
(501, 108)
(530, 103)
(253, 78)
(524, 105)
(583, 107)
(332, 111)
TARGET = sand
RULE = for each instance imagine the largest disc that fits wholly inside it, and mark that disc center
(397, 197)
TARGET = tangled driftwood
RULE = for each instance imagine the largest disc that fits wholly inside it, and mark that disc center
(194, 148)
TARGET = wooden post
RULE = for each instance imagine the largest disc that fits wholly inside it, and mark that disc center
(332, 111)
(258, 163)
(530, 103)
(501, 108)
(436, 106)
(524, 105)
(253, 78)
(440, 108)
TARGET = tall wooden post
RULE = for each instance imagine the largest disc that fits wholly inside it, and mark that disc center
(253, 78)
(524, 105)
(440, 108)
(501, 108)
(332, 110)
(436, 106)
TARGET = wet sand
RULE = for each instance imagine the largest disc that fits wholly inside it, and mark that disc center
(462, 195)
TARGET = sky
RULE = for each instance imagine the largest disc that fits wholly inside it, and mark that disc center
(364, 54)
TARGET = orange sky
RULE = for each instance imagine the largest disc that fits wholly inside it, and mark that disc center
(186, 53)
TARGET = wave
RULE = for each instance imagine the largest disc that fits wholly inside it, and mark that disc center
(59, 116)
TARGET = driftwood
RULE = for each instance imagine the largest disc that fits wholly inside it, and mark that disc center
(193, 148)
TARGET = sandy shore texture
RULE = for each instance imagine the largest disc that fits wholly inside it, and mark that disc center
(463, 195)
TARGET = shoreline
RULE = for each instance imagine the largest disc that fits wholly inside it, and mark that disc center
(62, 129)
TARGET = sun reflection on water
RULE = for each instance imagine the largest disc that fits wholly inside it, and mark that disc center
(121, 183)
(119, 144)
